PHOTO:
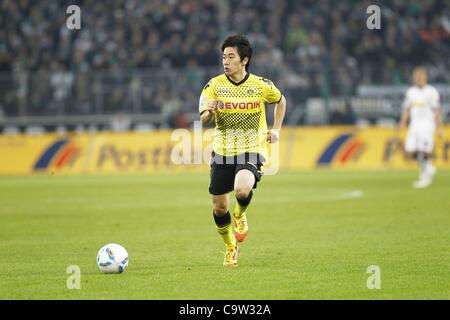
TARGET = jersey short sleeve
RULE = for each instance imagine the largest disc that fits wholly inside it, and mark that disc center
(407, 100)
(271, 94)
(207, 95)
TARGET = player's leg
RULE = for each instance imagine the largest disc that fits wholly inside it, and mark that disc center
(421, 160)
(220, 185)
(430, 169)
(411, 148)
(243, 184)
(222, 219)
(427, 168)
(424, 178)
(425, 146)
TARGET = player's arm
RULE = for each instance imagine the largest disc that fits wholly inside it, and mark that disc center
(208, 103)
(439, 122)
(404, 119)
(208, 115)
(273, 95)
(279, 111)
(435, 104)
(405, 112)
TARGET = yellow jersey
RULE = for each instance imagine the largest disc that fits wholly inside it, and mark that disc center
(241, 124)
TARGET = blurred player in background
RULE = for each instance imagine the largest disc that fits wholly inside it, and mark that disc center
(421, 106)
(236, 101)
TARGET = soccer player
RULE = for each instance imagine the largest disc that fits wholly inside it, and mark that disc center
(422, 108)
(236, 101)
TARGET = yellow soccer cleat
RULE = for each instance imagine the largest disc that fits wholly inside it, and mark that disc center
(240, 227)
(231, 256)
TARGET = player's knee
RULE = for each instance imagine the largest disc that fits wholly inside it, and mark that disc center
(220, 209)
(411, 155)
(242, 192)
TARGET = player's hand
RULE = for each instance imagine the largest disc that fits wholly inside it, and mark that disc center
(212, 107)
(440, 133)
(273, 135)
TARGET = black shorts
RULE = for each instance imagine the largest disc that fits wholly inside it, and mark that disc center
(224, 169)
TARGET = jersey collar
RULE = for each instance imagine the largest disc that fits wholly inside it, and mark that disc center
(240, 82)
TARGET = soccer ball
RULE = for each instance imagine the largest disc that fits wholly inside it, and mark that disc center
(112, 258)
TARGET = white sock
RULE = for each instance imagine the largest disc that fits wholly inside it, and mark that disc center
(422, 164)
(429, 166)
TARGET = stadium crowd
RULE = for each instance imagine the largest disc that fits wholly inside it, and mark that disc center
(154, 56)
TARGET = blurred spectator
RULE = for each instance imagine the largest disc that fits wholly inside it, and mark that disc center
(170, 109)
(346, 116)
(61, 83)
(120, 122)
(181, 121)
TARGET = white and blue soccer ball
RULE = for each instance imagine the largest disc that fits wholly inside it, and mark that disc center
(112, 258)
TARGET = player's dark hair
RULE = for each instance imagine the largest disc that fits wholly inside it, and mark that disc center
(243, 47)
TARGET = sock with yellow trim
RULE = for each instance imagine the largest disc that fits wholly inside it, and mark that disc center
(225, 230)
(241, 205)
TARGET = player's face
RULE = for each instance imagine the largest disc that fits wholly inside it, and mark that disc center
(232, 63)
(420, 78)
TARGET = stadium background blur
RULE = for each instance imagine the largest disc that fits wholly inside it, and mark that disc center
(86, 136)
(141, 65)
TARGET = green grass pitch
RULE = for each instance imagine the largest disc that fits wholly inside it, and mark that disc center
(312, 236)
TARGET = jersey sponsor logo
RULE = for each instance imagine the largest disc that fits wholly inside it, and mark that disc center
(418, 104)
(240, 105)
(223, 91)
